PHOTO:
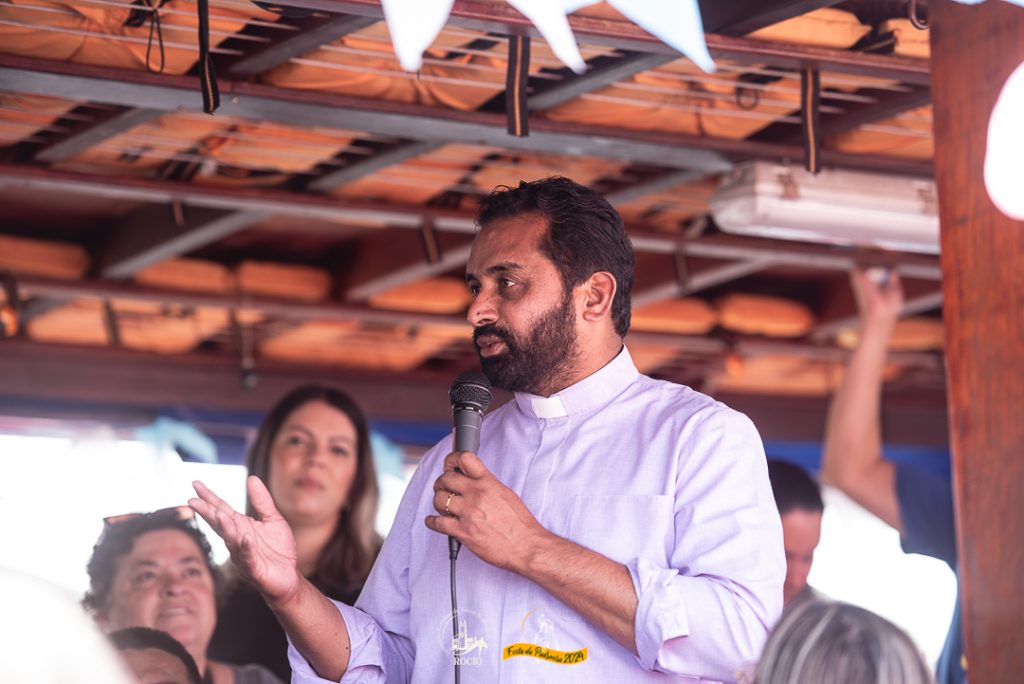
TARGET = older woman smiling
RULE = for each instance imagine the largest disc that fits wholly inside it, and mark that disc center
(156, 570)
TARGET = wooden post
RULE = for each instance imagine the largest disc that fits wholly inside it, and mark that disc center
(973, 51)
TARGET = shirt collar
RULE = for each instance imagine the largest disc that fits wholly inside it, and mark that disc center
(589, 393)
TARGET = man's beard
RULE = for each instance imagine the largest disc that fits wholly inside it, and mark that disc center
(539, 363)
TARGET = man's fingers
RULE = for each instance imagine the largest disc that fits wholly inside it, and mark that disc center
(207, 495)
(259, 497)
(227, 527)
(465, 462)
(442, 525)
(205, 510)
(445, 502)
(451, 461)
(451, 482)
(471, 465)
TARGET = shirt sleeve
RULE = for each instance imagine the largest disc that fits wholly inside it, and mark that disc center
(379, 625)
(709, 612)
(926, 513)
(367, 658)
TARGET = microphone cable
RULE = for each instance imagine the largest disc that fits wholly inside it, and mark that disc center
(453, 554)
(470, 396)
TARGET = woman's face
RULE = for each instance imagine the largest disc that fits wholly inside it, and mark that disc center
(164, 583)
(313, 462)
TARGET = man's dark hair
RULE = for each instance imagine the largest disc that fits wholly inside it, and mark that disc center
(141, 638)
(794, 489)
(585, 234)
(118, 540)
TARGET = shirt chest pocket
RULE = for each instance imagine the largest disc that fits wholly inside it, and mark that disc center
(624, 526)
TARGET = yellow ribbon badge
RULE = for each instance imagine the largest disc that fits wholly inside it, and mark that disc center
(551, 655)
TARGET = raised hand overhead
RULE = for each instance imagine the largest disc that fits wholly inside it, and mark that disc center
(879, 299)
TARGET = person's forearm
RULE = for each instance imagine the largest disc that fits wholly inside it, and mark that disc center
(316, 628)
(596, 587)
(852, 435)
(852, 458)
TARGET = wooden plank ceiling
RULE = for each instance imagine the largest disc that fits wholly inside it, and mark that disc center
(322, 217)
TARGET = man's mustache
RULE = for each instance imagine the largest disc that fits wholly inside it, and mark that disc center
(493, 329)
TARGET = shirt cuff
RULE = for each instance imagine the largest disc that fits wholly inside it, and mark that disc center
(660, 611)
(366, 657)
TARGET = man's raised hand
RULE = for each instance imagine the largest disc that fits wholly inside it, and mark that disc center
(263, 550)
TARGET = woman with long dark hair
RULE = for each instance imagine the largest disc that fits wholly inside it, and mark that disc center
(313, 453)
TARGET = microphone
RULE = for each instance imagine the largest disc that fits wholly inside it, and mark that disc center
(470, 396)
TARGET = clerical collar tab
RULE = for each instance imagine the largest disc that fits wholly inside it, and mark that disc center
(548, 407)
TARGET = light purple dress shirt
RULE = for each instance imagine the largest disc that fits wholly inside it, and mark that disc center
(654, 475)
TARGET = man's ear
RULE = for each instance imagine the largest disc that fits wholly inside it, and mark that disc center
(598, 293)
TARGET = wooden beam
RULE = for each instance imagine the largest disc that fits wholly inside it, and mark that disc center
(287, 203)
(740, 17)
(410, 273)
(887, 105)
(390, 258)
(97, 378)
(796, 254)
(396, 154)
(665, 181)
(313, 33)
(703, 280)
(597, 76)
(152, 234)
(501, 18)
(973, 51)
(645, 239)
(301, 108)
(109, 124)
(929, 301)
(291, 310)
(34, 371)
(907, 419)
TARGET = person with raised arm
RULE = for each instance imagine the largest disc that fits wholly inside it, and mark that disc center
(914, 501)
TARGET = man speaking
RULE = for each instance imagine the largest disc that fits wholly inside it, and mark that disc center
(615, 528)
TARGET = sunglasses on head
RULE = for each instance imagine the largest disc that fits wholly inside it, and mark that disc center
(182, 512)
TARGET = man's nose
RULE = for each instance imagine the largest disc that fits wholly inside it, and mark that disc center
(481, 310)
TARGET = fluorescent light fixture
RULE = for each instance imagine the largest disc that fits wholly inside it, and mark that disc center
(836, 207)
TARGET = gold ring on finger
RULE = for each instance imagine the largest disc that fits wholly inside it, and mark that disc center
(447, 502)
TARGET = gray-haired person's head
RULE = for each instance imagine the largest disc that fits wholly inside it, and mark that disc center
(836, 643)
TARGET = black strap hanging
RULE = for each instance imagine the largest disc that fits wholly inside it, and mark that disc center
(515, 85)
(810, 96)
(207, 76)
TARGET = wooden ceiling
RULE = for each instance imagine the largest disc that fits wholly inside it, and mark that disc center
(317, 225)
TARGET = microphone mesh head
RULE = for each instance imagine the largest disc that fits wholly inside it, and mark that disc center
(471, 388)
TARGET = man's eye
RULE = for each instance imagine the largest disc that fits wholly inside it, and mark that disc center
(474, 290)
(506, 282)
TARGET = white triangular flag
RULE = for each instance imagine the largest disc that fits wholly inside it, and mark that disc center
(549, 16)
(414, 24)
(674, 22)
